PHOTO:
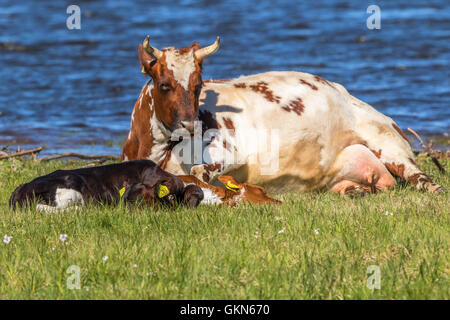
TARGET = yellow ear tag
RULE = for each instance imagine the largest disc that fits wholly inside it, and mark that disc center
(163, 191)
(143, 70)
(121, 192)
(232, 187)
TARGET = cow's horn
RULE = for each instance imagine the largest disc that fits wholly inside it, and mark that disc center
(206, 51)
(155, 53)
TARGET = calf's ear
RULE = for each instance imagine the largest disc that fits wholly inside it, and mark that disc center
(230, 183)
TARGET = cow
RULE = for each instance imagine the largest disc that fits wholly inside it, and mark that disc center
(327, 138)
(139, 181)
(233, 194)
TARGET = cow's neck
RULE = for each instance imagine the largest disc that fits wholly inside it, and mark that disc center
(162, 145)
(159, 136)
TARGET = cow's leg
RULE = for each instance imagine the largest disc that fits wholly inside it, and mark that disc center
(220, 159)
(387, 141)
(407, 170)
(350, 188)
(207, 172)
(399, 160)
(357, 171)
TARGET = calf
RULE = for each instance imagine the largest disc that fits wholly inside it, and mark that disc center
(140, 180)
(233, 193)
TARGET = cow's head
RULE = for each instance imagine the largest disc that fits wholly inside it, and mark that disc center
(177, 81)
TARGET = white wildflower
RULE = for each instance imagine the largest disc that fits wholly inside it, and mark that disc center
(281, 231)
(7, 239)
(105, 258)
(63, 237)
(316, 231)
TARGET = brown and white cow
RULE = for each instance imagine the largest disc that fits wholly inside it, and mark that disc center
(328, 139)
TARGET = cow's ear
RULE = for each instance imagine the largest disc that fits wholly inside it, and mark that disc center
(146, 60)
(195, 46)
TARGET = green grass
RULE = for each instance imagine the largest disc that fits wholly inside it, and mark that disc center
(215, 253)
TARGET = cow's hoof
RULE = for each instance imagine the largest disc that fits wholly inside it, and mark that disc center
(435, 188)
(355, 191)
(195, 171)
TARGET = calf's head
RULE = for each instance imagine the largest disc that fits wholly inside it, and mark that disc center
(248, 192)
(177, 78)
(165, 192)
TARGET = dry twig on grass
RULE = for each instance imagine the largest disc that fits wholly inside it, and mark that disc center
(428, 149)
(21, 153)
(81, 156)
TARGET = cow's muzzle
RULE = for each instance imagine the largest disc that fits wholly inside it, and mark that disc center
(188, 125)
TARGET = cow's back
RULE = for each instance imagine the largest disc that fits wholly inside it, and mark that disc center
(314, 119)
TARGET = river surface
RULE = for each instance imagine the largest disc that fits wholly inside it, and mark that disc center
(74, 90)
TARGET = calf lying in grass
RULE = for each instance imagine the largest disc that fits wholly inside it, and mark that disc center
(132, 181)
(234, 192)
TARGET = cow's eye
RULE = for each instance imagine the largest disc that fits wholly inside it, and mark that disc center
(164, 87)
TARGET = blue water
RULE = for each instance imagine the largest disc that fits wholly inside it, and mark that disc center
(74, 90)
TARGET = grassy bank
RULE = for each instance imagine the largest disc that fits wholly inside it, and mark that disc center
(314, 246)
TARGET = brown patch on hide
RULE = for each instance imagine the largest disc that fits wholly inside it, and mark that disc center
(240, 85)
(263, 88)
(229, 125)
(396, 170)
(377, 154)
(323, 81)
(139, 143)
(295, 105)
(400, 132)
(418, 177)
(226, 145)
(210, 168)
(308, 84)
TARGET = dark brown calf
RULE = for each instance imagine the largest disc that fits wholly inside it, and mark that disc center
(132, 181)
